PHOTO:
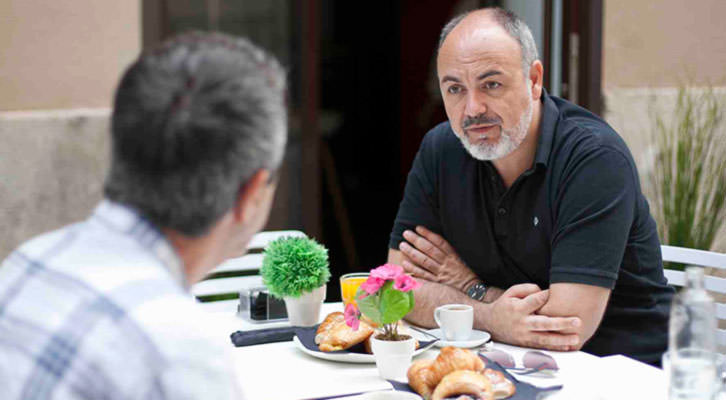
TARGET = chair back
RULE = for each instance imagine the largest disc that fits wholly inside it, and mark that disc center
(714, 284)
(220, 289)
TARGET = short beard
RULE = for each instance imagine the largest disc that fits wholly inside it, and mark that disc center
(509, 140)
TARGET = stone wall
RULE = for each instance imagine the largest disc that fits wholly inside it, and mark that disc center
(52, 166)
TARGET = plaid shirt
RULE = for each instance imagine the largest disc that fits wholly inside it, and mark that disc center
(100, 310)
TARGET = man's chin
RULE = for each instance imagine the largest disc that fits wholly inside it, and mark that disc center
(488, 152)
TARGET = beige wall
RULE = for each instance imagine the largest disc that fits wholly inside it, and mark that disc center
(651, 48)
(59, 63)
(65, 53)
(662, 43)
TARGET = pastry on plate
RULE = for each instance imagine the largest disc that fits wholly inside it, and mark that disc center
(457, 372)
(464, 382)
(334, 334)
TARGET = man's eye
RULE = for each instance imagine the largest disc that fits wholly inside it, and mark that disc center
(454, 89)
(492, 85)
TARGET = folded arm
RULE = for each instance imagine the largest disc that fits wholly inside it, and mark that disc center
(586, 302)
(511, 318)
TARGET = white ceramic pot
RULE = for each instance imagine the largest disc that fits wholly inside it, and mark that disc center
(393, 358)
(305, 310)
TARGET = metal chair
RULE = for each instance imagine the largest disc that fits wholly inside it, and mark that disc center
(704, 259)
(220, 290)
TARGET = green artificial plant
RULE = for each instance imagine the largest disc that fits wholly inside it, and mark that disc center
(294, 265)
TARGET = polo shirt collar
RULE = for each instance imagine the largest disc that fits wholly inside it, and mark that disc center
(548, 124)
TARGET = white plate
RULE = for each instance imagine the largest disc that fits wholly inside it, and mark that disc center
(477, 338)
(357, 358)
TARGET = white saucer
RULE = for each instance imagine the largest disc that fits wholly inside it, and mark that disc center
(477, 338)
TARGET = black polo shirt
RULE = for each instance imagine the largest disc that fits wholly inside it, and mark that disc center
(577, 215)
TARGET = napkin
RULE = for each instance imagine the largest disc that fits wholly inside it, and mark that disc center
(262, 336)
(525, 391)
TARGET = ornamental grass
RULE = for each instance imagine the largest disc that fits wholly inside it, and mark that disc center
(686, 181)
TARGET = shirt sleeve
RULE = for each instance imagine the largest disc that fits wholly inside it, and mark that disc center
(595, 207)
(419, 205)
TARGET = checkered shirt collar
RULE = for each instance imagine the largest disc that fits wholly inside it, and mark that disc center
(126, 220)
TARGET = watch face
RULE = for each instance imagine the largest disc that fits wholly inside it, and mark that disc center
(477, 291)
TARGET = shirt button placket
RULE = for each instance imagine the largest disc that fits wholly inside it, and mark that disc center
(501, 223)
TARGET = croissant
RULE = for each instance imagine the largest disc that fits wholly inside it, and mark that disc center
(334, 334)
(464, 382)
(424, 375)
(420, 378)
(501, 386)
(453, 359)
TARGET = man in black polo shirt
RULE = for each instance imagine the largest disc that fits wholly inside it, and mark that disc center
(528, 207)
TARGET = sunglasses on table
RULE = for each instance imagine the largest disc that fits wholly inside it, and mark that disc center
(533, 362)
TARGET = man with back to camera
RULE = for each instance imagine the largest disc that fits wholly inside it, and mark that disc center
(101, 309)
(528, 207)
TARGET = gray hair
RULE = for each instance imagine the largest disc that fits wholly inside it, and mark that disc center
(192, 122)
(512, 24)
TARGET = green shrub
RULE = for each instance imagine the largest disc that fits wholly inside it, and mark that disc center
(293, 266)
(686, 183)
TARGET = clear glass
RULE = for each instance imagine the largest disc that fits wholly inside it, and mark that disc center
(692, 341)
(349, 284)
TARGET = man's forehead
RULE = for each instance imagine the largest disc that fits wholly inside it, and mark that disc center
(477, 41)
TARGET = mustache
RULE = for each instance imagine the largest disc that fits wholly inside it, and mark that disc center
(481, 119)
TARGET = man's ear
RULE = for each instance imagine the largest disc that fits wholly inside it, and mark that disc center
(250, 195)
(536, 79)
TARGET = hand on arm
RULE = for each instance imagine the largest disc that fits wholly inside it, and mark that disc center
(429, 256)
(586, 302)
(510, 319)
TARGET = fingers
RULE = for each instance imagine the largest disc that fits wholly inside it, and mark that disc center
(534, 301)
(545, 323)
(436, 240)
(554, 341)
(522, 290)
(417, 271)
(418, 258)
(425, 246)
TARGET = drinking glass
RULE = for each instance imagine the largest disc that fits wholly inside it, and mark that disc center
(349, 284)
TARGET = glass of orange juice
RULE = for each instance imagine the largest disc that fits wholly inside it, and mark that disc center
(349, 284)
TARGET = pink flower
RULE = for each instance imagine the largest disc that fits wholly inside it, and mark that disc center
(387, 272)
(351, 315)
(405, 283)
(371, 285)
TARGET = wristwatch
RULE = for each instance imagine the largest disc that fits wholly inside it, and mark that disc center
(477, 291)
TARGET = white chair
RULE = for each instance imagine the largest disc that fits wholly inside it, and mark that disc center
(704, 259)
(220, 290)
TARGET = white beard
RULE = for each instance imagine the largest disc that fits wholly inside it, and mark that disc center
(508, 141)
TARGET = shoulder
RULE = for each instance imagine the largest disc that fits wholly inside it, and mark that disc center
(49, 242)
(581, 135)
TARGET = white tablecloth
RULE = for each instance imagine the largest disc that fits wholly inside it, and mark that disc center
(281, 371)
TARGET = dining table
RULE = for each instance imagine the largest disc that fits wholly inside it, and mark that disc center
(284, 371)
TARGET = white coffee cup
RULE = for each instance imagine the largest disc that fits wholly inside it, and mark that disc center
(455, 321)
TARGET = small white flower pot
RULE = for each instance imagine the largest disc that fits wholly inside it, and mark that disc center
(393, 358)
(305, 310)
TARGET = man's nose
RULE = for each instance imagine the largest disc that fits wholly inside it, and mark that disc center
(475, 104)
